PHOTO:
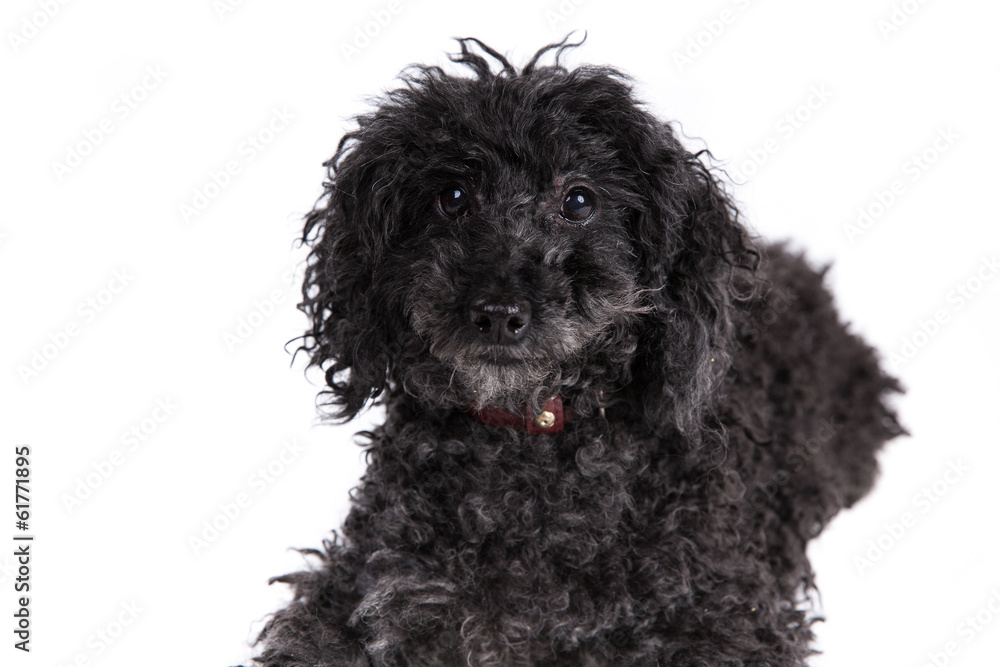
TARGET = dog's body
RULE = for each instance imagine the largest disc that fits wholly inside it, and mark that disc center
(490, 243)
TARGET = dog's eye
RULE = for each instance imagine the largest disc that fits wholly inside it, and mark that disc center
(454, 200)
(579, 204)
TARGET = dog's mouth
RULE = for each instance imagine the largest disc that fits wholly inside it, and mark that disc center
(497, 355)
(495, 360)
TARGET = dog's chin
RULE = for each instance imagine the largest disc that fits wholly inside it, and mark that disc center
(506, 381)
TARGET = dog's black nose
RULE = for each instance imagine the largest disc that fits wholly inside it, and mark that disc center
(501, 322)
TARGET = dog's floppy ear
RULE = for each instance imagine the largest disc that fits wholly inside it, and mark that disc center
(347, 337)
(696, 258)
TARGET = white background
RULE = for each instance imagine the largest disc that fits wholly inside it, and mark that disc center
(189, 283)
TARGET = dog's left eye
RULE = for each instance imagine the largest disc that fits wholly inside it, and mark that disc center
(454, 200)
(579, 204)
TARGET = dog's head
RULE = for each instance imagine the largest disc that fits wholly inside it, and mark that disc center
(501, 238)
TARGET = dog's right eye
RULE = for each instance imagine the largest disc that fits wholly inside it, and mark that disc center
(579, 205)
(454, 200)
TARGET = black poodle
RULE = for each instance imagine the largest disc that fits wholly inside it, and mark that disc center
(615, 419)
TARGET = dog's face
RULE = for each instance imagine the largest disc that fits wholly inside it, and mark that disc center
(518, 269)
(514, 263)
(501, 239)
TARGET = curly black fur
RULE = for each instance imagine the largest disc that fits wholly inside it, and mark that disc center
(722, 414)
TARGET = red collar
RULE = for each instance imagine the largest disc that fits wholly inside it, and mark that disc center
(550, 420)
